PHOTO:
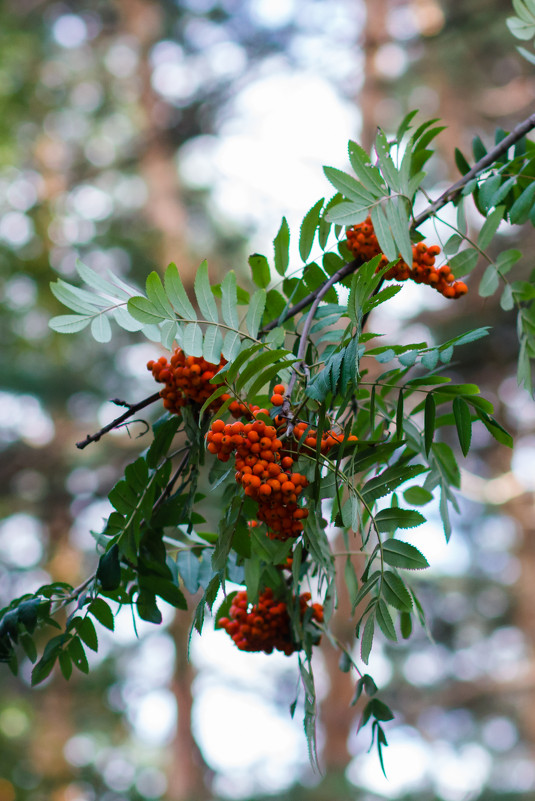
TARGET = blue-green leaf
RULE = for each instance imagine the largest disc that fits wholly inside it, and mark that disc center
(192, 339)
(213, 344)
(101, 328)
(490, 226)
(255, 312)
(464, 262)
(490, 282)
(69, 323)
(383, 233)
(176, 294)
(203, 293)
(229, 300)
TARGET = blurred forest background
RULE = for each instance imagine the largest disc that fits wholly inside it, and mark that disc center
(138, 132)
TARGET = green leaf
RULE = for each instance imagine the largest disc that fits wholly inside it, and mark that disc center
(69, 323)
(86, 631)
(490, 282)
(395, 592)
(229, 300)
(109, 569)
(65, 664)
(399, 415)
(367, 639)
(213, 344)
(461, 162)
(164, 431)
(176, 294)
(463, 422)
(394, 517)
(446, 463)
(43, 668)
(520, 29)
(388, 481)
(95, 280)
(203, 293)
(77, 299)
(192, 340)
(255, 312)
(76, 652)
(397, 553)
(489, 228)
(101, 328)
(230, 370)
(260, 268)
(384, 619)
(398, 219)
(349, 188)
(464, 262)
(147, 607)
(351, 582)
(308, 229)
(493, 427)
(429, 421)
(231, 345)
(102, 612)
(143, 310)
(453, 244)
(417, 496)
(386, 165)
(383, 233)
(368, 175)
(281, 245)
(350, 213)
(507, 301)
(156, 294)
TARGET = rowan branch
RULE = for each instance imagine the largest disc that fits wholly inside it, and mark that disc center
(454, 191)
(132, 408)
(343, 272)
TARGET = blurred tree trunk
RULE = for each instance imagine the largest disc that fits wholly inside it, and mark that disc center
(143, 20)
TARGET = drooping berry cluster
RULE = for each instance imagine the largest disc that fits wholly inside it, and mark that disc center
(264, 462)
(264, 473)
(186, 379)
(265, 625)
(362, 242)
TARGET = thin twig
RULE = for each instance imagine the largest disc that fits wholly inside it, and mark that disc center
(131, 410)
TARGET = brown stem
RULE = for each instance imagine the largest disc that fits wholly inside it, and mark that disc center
(343, 272)
(131, 410)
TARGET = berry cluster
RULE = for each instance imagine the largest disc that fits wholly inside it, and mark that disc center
(265, 625)
(264, 472)
(362, 242)
(264, 463)
(186, 379)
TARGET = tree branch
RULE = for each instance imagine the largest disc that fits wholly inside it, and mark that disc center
(343, 272)
(131, 410)
(453, 191)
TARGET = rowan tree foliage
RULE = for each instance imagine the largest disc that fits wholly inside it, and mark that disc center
(303, 420)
